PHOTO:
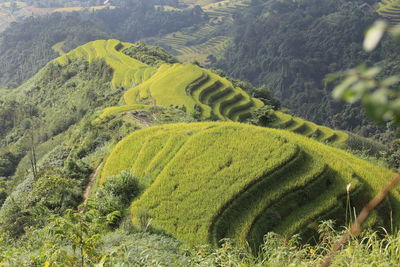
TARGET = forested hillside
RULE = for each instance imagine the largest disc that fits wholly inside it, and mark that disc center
(27, 46)
(292, 46)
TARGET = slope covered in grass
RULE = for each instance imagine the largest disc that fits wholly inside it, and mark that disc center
(207, 181)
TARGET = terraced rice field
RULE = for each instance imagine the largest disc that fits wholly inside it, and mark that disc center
(194, 43)
(208, 181)
(196, 89)
(179, 85)
(308, 129)
(390, 10)
(58, 48)
(128, 72)
(90, 8)
(186, 85)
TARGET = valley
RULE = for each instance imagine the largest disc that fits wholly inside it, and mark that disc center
(197, 133)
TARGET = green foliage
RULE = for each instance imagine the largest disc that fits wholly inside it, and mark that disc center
(378, 95)
(33, 202)
(150, 55)
(142, 249)
(55, 192)
(80, 231)
(368, 249)
(394, 154)
(262, 116)
(3, 196)
(115, 195)
(8, 162)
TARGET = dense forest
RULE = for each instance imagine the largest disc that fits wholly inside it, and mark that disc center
(26, 47)
(292, 46)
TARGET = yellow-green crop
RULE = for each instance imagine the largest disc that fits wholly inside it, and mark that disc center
(207, 181)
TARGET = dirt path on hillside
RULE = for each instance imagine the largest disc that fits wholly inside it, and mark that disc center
(143, 120)
(92, 180)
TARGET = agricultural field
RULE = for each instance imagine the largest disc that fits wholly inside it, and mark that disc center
(58, 48)
(22, 10)
(308, 129)
(199, 42)
(90, 8)
(196, 90)
(183, 85)
(127, 71)
(244, 181)
(390, 10)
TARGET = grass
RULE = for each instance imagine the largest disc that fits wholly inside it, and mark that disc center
(243, 181)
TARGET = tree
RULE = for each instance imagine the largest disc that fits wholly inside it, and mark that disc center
(379, 97)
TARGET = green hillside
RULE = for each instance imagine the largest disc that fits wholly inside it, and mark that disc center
(198, 91)
(187, 85)
(208, 181)
(127, 71)
(208, 39)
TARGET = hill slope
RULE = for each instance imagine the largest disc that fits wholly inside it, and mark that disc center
(187, 85)
(243, 181)
(209, 39)
(197, 90)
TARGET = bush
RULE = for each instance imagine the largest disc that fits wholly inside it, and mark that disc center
(115, 195)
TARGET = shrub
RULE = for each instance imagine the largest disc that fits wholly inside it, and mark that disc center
(115, 195)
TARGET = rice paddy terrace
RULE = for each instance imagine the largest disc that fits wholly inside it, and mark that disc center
(17, 10)
(127, 71)
(390, 10)
(197, 43)
(307, 128)
(185, 85)
(207, 181)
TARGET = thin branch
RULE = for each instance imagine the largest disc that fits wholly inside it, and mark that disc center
(355, 228)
